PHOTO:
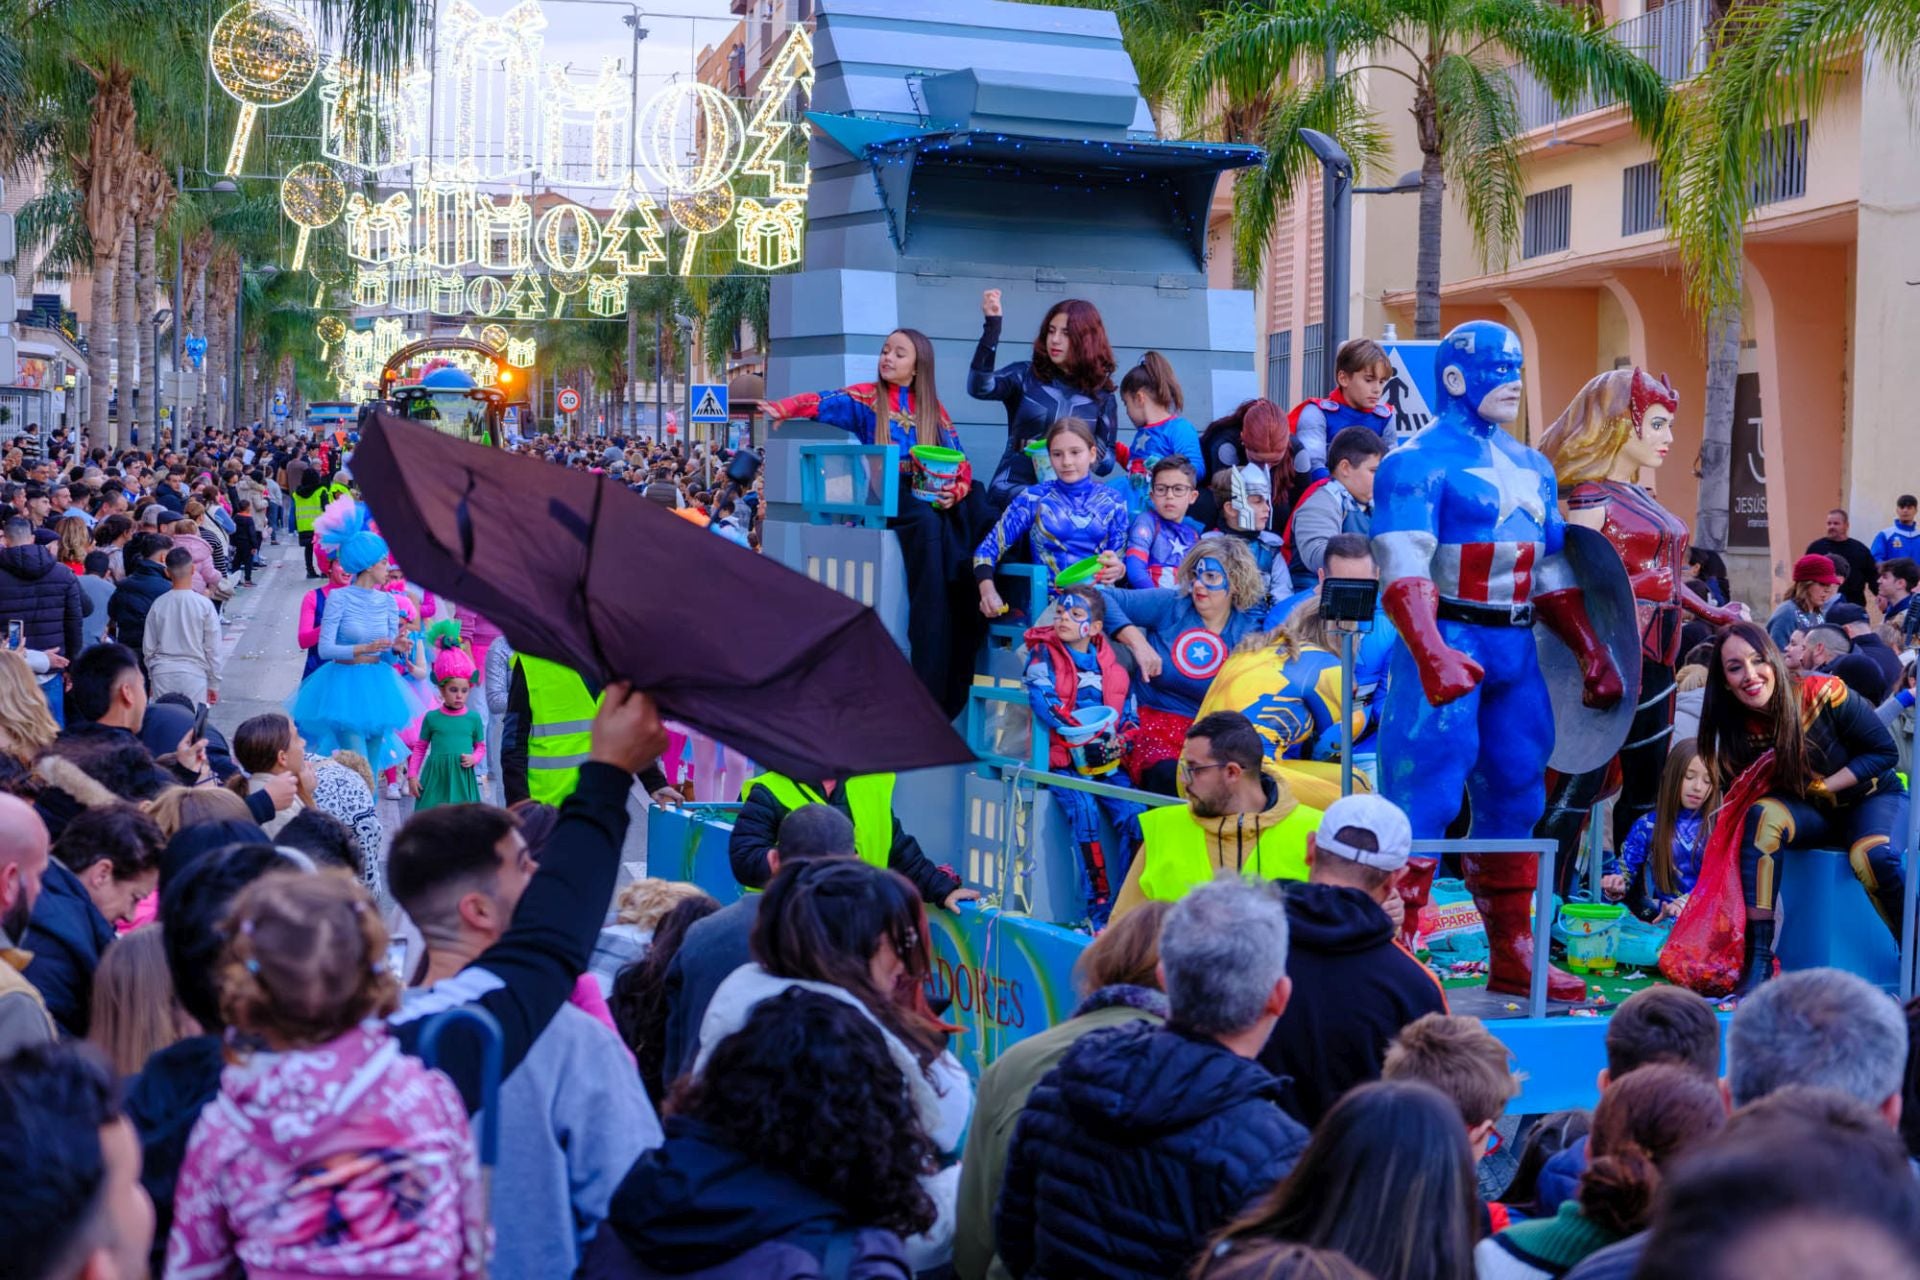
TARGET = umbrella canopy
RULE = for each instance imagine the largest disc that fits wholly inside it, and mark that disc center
(578, 569)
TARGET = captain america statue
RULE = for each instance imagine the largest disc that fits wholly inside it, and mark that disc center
(1467, 532)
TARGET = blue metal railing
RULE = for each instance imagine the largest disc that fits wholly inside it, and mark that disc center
(871, 474)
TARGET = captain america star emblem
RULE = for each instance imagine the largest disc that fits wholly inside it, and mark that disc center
(1198, 654)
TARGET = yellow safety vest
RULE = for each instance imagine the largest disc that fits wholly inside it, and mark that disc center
(560, 734)
(1175, 849)
(869, 802)
(306, 510)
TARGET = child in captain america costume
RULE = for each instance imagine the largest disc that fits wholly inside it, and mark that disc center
(1361, 372)
(1468, 534)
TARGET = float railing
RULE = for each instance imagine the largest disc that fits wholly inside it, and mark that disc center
(870, 473)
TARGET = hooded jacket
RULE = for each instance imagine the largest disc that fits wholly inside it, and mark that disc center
(45, 596)
(1354, 987)
(1142, 1142)
(146, 581)
(1232, 841)
(350, 1158)
(67, 935)
(697, 1208)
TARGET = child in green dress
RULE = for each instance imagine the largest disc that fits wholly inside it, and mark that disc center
(452, 738)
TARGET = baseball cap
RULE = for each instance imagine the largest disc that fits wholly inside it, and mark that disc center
(1815, 569)
(1844, 613)
(1376, 815)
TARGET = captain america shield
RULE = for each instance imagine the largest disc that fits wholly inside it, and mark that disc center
(1198, 654)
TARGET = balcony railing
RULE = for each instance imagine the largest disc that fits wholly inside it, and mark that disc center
(1672, 38)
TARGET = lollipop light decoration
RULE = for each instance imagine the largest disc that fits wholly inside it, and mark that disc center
(264, 55)
(312, 196)
(700, 213)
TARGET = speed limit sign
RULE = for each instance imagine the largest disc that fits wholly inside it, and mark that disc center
(569, 400)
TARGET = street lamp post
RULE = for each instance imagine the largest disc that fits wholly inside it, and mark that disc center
(1337, 244)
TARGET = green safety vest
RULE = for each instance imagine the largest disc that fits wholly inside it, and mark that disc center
(869, 803)
(560, 734)
(1175, 849)
(306, 510)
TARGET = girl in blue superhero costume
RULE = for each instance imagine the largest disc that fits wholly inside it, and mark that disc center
(1069, 376)
(936, 538)
(1160, 537)
(1153, 399)
(1659, 861)
(1180, 638)
(355, 698)
(1071, 517)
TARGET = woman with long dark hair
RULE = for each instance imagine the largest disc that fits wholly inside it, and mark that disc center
(938, 531)
(1386, 1181)
(639, 999)
(1069, 375)
(796, 1152)
(1804, 764)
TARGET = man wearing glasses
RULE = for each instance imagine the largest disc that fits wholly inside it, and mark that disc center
(1237, 818)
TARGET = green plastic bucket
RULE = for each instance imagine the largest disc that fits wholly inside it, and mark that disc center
(1593, 935)
(936, 470)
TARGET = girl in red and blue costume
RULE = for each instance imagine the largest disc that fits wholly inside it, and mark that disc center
(936, 538)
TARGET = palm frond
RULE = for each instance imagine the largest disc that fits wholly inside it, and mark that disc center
(1331, 107)
(1249, 48)
(1570, 54)
(1478, 125)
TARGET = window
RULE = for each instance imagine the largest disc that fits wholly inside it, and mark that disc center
(1546, 224)
(1312, 346)
(1640, 199)
(1279, 367)
(1780, 164)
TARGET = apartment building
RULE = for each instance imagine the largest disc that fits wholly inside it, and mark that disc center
(1831, 273)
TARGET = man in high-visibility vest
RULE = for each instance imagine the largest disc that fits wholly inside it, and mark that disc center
(309, 500)
(878, 838)
(546, 734)
(1237, 818)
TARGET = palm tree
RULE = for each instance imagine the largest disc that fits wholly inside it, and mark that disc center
(1452, 53)
(1769, 66)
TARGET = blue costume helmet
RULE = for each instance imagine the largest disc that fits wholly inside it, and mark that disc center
(1476, 358)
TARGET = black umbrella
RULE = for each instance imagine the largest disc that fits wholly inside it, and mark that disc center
(577, 568)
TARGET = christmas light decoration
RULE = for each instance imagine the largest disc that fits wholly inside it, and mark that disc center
(486, 87)
(495, 336)
(370, 285)
(264, 55)
(447, 293)
(364, 125)
(330, 329)
(791, 67)
(379, 233)
(700, 213)
(600, 107)
(690, 137)
(769, 235)
(632, 232)
(521, 352)
(607, 295)
(312, 196)
(568, 238)
(565, 285)
(526, 297)
(486, 295)
(503, 234)
(447, 204)
(410, 281)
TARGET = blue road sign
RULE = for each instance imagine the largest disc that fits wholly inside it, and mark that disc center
(707, 402)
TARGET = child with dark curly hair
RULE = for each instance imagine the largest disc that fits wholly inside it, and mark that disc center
(797, 1151)
(329, 1151)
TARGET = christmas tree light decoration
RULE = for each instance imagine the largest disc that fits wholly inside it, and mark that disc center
(364, 125)
(447, 293)
(700, 213)
(600, 108)
(494, 335)
(330, 329)
(607, 295)
(486, 295)
(792, 67)
(632, 232)
(526, 297)
(690, 137)
(568, 238)
(379, 233)
(264, 55)
(487, 87)
(312, 196)
(521, 352)
(447, 205)
(370, 285)
(503, 234)
(770, 235)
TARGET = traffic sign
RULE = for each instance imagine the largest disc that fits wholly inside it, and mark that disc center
(708, 402)
(569, 401)
(9, 362)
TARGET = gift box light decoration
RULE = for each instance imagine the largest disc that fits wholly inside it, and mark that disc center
(503, 234)
(410, 281)
(365, 124)
(792, 68)
(598, 111)
(312, 196)
(447, 293)
(770, 234)
(607, 295)
(379, 233)
(489, 87)
(370, 286)
(568, 238)
(447, 204)
(632, 232)
(264, 55)
(521, 352)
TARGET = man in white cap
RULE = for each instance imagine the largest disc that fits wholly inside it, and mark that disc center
(1354, 984)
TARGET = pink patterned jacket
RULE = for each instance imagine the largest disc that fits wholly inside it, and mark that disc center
(351, 1159)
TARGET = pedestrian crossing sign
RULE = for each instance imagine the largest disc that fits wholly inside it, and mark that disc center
(708, 401)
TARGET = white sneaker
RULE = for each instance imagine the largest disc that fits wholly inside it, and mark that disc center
(393, 791)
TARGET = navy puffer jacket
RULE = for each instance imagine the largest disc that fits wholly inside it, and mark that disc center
(45, 596)
(1139, 1145)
